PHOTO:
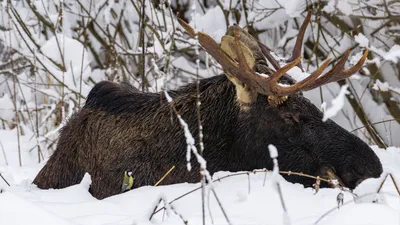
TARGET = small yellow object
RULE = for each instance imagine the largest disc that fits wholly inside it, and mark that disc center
(127, 182)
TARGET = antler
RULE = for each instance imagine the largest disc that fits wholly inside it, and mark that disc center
(269, 85)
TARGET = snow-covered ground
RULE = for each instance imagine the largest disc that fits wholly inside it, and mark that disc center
(245, 201)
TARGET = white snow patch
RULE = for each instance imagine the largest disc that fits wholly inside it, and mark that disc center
(6, 108)
(86, 181)
(273, 151)
(393, 54)
(337, 104)
(384, 86)
(361, 40)
(245, 199)
(341, 5)
(293, 8)
(297, 74)
(344, 7)
(212, 23)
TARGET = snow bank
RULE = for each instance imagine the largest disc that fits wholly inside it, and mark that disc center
(245, 199)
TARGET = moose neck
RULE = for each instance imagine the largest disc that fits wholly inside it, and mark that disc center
(219, 108)
(219, 112)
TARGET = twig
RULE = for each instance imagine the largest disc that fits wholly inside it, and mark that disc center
(155, 208)
(383, 121)
(166, 204)
(15, 89)
(381, 185)
(4, 153)
(395, 184)
(142, 41)
(281, 197)
(346, 203)
(209, 208)
(4, 180)
(245, 173)
(248, 180)
(220, 205)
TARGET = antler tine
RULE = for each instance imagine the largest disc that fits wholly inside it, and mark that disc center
(187, 28)
(269, 86)
(327, 77)
(239, 51)
(358, 65)
(307, 81)
(282, 71)
(337, 72)
(266, 52)
(297, 48)
(313, 81)
(299, 40)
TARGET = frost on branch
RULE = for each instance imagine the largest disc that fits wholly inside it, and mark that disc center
(191, 147)
(379, 86)
(337, 104)
(393, 54)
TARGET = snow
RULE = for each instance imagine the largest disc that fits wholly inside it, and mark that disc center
(191, 146)
(212, 23)
(273, 152)
(337, 104)
(293, 8)
(393, 54)
(297, 74)
(344, 7)
(341, 5)
(379, 86)
(6, 108)
(244, 198)
(330, 7)
(384, 86)
(361, 40)
(13, 205)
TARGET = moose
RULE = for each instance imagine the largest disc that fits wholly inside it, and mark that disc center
(252, 105)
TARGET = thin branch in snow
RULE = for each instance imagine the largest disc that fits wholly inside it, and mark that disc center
(4, 180)
(248, 181)
(339, 199)
(255, 172)
(198, 109)
(203, 164)
(342, 205)
(4, 153)
(220, 205)
(169, 208)
(273, 153)
(191, 147)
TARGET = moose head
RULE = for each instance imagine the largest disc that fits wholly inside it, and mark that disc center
(242, 112)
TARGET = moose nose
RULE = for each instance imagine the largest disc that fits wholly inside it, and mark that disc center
(360, 180)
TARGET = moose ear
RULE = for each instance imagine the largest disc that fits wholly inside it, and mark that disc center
(228, 45)
(245, 95)
(290, 117)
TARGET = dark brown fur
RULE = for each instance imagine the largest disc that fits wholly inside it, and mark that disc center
(121, 129)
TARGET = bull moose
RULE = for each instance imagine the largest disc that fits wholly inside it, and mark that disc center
(243, 110)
